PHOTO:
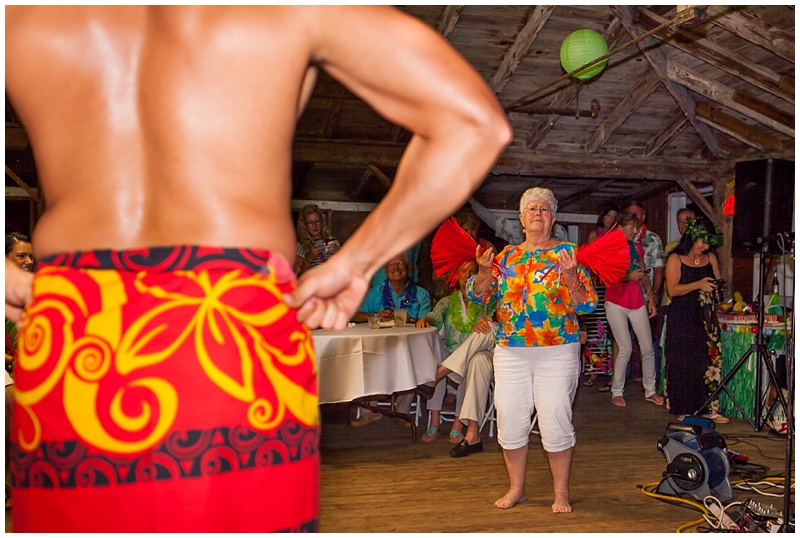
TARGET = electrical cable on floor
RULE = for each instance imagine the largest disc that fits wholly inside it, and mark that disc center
(771, 481)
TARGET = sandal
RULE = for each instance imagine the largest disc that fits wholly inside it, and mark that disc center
(589, 383)
(716, 417)
(455, 437)
(430, 435)
(604, 388)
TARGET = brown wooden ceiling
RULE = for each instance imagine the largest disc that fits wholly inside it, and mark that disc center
(678, 107)
(683, 105)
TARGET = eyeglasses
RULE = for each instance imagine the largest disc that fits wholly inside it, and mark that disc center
(541, 209)
(313, 222)
(392, 265)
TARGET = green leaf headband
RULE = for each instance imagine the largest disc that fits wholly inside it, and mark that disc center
(698, 231)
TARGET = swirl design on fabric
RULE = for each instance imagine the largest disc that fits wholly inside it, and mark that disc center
(82, 336)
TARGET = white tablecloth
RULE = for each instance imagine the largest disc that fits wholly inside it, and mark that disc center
(360, 361)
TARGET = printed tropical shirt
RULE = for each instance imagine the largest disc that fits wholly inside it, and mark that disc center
(455, 318)
(534, 307)
(653, 252)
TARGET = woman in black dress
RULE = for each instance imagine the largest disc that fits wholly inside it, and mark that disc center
(692, 347)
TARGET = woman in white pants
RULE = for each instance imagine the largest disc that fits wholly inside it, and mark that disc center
(540, 290)
(625, 302)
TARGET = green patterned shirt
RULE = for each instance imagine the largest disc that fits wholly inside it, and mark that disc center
(457, 317)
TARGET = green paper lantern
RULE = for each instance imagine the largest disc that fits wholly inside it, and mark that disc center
(581, 47)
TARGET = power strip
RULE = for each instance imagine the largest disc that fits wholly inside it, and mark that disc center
(726, 522)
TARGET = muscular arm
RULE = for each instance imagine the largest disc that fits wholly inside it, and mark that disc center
(413, 77)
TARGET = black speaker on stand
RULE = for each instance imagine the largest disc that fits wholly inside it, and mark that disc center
(765, 191)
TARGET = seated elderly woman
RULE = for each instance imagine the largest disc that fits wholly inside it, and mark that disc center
(397, 291)
(468, 333)
(540, 290)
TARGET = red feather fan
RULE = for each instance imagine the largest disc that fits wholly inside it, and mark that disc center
(450, 249)
(608, 256)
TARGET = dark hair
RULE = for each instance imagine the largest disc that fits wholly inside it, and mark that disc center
(683, 210)
(637, 203)
(467, 215)
(628, 218)
(607, 208)
(14, 238)
(686, 243)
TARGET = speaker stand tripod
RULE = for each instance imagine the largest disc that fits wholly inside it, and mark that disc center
(759, 349)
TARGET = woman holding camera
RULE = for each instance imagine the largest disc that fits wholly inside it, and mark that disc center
(315, 246)
(692, 347)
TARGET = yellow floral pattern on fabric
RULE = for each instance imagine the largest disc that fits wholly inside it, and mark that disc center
(75, 341)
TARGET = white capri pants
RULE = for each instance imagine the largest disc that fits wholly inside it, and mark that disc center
(618, 317)
(543, 378)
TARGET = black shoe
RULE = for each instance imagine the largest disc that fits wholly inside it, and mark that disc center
(425, 391)
(465, 449)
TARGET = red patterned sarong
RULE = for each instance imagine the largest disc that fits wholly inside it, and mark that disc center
(164, 389)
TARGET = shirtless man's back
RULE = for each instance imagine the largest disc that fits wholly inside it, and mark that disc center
(164, 126)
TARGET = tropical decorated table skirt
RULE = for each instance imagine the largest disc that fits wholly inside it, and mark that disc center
(736, 340)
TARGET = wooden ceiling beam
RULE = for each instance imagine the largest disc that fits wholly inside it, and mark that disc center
(753, 137)
(642, 192)
(380, 175)
(749, 27)
(657, 58)
(612, 34)
(24, 186)
(661, 139)
(448, 20)
(692, 192)
(582, 193)
(742, 102)
(624, 110)
(708, 51)
(16, 138)
(361, 184)
(517, 162)
(519, 49)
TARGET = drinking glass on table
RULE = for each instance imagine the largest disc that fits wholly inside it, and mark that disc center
(374, 321)
(400, 317)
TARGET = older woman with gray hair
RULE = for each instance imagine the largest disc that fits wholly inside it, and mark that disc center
(540, 289)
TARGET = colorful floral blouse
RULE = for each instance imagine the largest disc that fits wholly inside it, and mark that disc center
(455, 318)
(534, 307)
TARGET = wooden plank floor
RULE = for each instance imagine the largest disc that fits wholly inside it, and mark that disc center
(375, 480)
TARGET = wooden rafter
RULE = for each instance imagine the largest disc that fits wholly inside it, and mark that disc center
(661, 139)
(752, 136)
(737, 100)
(361, 183)
(623, 111)
(657, 58)
(24, 186)
(748, 27)
(646, 189)
(706, 50)
(565, 96)
(519, 49)
(692, 192)
(516, 162)
(380, 175)
(448, 21)
(582, 193)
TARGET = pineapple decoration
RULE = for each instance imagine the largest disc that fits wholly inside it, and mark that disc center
(739, 305)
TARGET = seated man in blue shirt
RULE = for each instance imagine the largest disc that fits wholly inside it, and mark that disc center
(397, 291)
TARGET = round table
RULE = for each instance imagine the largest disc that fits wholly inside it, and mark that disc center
(360, 361)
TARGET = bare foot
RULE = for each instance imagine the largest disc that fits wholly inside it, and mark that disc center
(511, 498)
(561, 505)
